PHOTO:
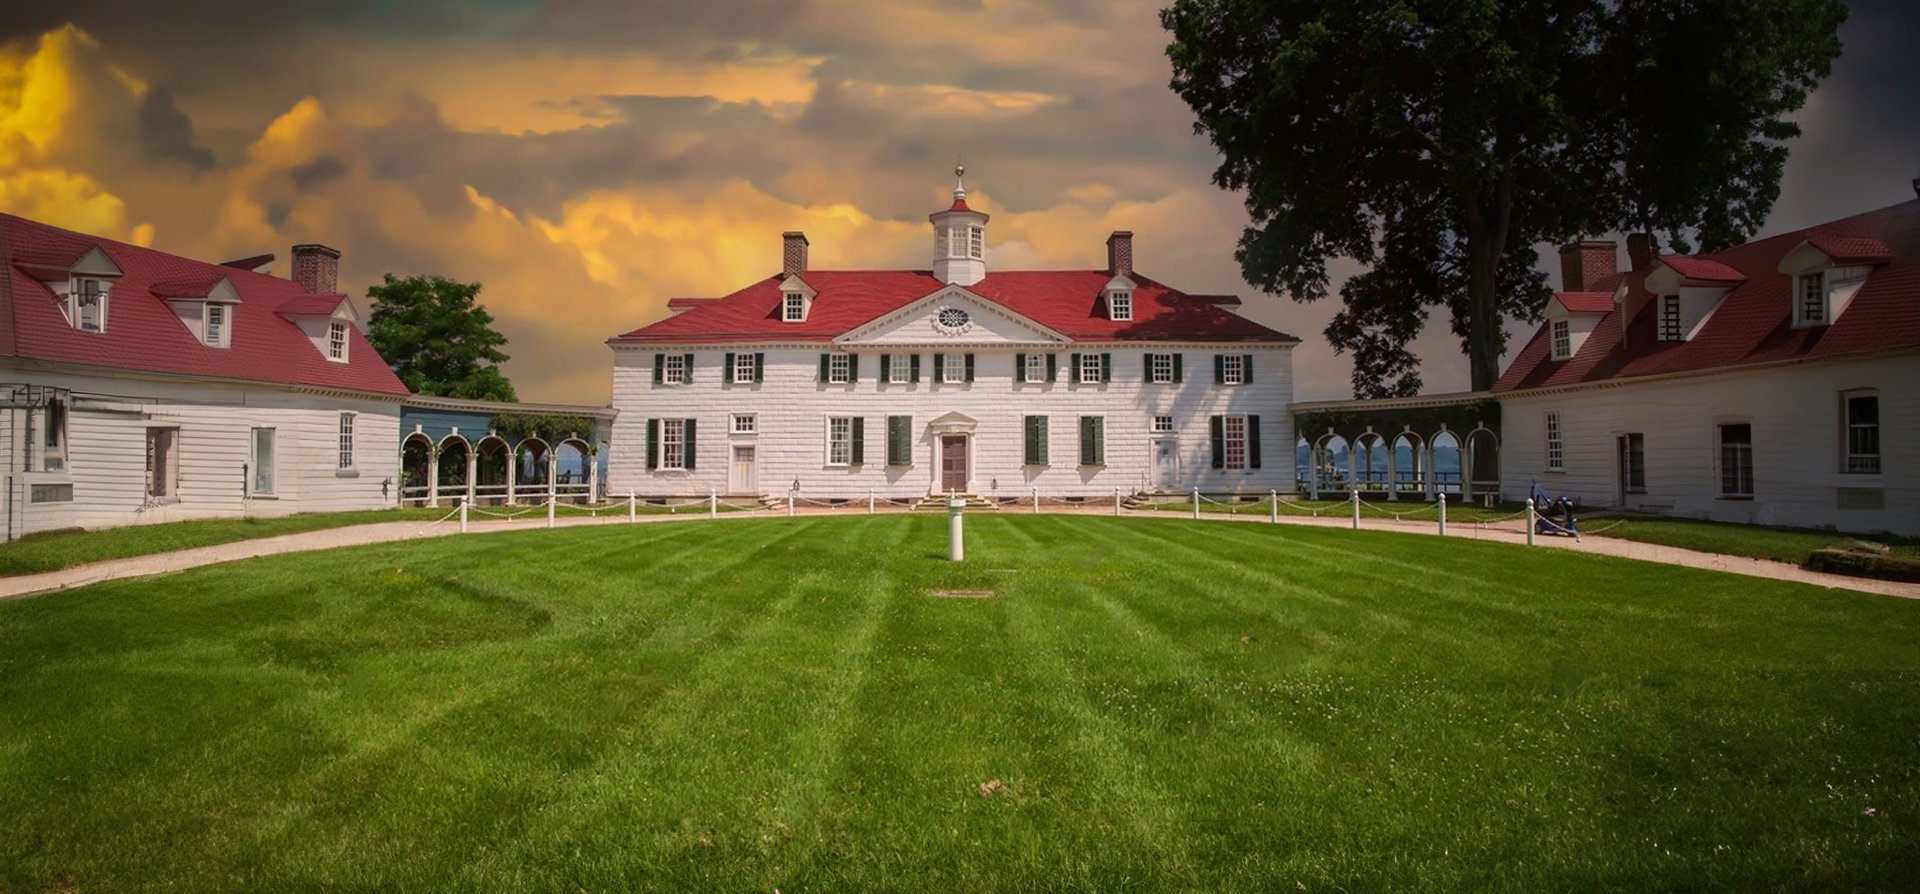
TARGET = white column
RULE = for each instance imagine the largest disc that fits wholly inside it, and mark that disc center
(433, 475)
(1443, 516)
(1530, 516)
(1196, 504)
(633, 513)
(1273, 506)
(473, 470)
(513, 473)
(713, 503)
(1356, 506)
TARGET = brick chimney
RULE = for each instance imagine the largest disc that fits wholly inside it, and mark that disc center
(1585, 262)
(317, 267)
(793, 253)
(1120, 253)
(1640, 249)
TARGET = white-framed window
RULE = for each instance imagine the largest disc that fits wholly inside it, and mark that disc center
(1861, 417)
(1036, 369)
(53, 435)
(673, 370)
(953, 369)
(260, 481)
(1160, 369)
(956, 241)
(1670, 319)
(1736, 460)
(899, 369)
(1235, 430)
(89, 304)
(1633, 463)
(1233, 369)
(337, 341)
(346, 440)
(839, 368)
(743, 367)
(1811, 306)
(793, 307)
(746, 423)
(976, 242)
(1120, 305)
(1163, 424)
(673, 444)
(839, 440)
(215, 333)
(163, 464)
(1089, 371)
(1556, 450)
(1562, 339)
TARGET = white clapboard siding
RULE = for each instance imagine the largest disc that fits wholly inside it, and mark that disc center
(106, 452)
(1798, 449)
(793, 407)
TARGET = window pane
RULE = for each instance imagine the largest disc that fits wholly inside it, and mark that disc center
(263, 460)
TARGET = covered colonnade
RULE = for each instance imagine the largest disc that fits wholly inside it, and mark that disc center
(495, 453)
(1401, 448)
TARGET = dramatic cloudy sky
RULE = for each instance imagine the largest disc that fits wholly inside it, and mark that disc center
(588, 160)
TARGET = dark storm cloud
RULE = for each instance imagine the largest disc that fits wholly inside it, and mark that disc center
(166, 133)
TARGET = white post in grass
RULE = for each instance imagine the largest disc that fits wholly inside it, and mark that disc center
(1443, 515)
(713, 503)
(463, 515)
(1273, 506)
(1116, 502)
(549, 511)
(869, 501)
(956, 535)
(1529, 521)
(633, 513)
(1036, 501)
(1356, 508)
(1196, 504)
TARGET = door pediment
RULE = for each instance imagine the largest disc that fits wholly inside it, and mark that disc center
(952, 423)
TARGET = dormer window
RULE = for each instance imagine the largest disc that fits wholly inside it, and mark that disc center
(1562, 340)
(1120, 305)
(1670, 319)
(215, 334)
(89, 305)
(1811, 308)
(337, 341)
(794, 307)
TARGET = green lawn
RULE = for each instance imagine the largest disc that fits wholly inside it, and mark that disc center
(772, 703)
(54, 550)
(1779, 544)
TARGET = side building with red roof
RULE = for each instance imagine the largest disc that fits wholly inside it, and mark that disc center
(1774, 383)
(837, 384)
(147, 387)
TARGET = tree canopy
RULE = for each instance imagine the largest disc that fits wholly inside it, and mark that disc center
(438, 340)
(1438, 142)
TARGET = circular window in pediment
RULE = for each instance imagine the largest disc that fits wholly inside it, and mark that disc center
(952, 319)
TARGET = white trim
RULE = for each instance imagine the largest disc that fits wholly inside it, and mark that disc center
(1047, 335)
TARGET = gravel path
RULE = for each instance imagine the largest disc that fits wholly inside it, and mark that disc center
(386, 532)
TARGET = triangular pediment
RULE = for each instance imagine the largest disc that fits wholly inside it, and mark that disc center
(95, 263)
(953, 316)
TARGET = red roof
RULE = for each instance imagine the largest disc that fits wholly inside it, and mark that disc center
(143, 333)
(1067, 301)
(1702, 269)
(1585, 302)
(1754, 321)
(1848, 249)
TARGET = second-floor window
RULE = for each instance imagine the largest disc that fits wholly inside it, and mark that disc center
(1036, 367)
(1813, 299)
(745, 367)
(89, 305)
(1670, 318)
(1233, 368)
(1556, 455)
(337, 341)
(1162, 369)
(1863, 433)
(1562, 340)
(794, 307)
(839, 368)
(674, 370)
(1120, 304)
(216, 325)
(346, 440)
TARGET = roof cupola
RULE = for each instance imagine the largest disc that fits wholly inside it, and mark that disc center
(959, 238)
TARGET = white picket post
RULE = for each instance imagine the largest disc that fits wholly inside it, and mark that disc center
(1443, 515)
(789, 505)
(463, 514)
(549, 511)
(1036, 501)
(1356, 508)
(1196, 504)
(1529, 521)
(713, 503)
(1273, 506)
(1116, 502)
(633, 512)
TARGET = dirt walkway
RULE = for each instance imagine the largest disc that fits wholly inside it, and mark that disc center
(385, 532)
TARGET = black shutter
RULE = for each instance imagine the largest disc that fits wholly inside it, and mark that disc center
(726, 371)
(686, 375)
(823, 367)
(1073, 368)
(759, 368)
(1106, 367)
(853, 367)
(1218, 426)
(1092, 451)
(659, 368)
(913, 369)
(1147, 376)
(687, 452)
(653, 444)
(1246, 369)
(859, 440)
(886, 368)
(1219, 369)
(1019, 367)
(1178, 374)
(1253, 442)
(969, 367)
(1053, 370)
(939, 367)
(899, 440)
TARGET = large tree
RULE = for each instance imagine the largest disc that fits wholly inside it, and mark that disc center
(1438, 142)
(438, 340)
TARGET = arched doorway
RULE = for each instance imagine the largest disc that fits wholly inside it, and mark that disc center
(530, 471)
(1409, 465)
(1483, 463)
(1370, 462)
(1446, 463)
(452, 483)
(572, 470)
(1330, 469)
(416, 469)
(490, 470)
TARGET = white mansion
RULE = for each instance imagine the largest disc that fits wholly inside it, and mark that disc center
(908, 382)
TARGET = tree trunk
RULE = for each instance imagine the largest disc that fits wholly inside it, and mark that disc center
(1488, 218)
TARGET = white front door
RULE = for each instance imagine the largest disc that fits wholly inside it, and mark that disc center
(1166, 464)
(743, 479)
